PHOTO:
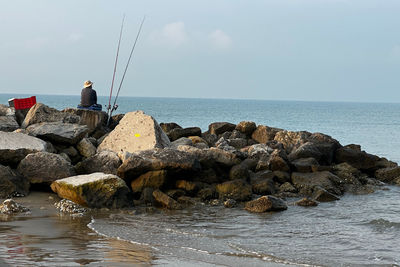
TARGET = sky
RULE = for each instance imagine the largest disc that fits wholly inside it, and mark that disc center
(308, 50)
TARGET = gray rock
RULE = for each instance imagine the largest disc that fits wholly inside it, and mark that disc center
(356, 158)
(266, 203)
(12, 184)
(42, 113)
(15, 146)
(322, 195)
(44, 167)
(8, 123)
(96, 190)
(157, 159)
(92, 119)
(183, 141)
(177, 133)
(306, 182)
(86, 148)
(304, 164)
(59, 132)
(287, 187)
(106, 161)
(135, 132)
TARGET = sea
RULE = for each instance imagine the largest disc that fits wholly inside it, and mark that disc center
(357, 230)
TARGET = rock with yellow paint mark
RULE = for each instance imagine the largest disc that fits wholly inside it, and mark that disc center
(135, 132)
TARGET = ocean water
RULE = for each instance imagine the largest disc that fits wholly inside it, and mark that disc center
(358, 230)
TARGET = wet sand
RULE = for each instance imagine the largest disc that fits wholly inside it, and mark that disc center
(45, 237)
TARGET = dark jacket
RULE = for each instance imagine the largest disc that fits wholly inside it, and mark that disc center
(88, 97)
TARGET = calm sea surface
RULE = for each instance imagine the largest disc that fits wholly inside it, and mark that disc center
(355, 231)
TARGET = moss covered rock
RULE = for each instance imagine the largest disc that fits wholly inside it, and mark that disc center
(94, 190)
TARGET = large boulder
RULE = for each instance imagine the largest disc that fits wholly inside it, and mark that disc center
(59, 132)
(307, 182)
(168, 126)
(355, 157)
(96, 190)
(11, 183)
(92, 119)
(135, 132)
(218, 128)
(104, 161)
(42, 113)
(44, 167)
(236, 189)
(15, 146)
(8, 123)
(266, 203)
(157, 159)
(263, 134)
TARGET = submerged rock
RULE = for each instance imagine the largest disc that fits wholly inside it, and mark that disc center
(165, 201)
(67, 206)
(15, 146)
(266, 203)
(96, 190)
(306, 202)
(9, 206)
(135, 132)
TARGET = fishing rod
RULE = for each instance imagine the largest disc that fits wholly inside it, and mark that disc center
(115, 70)
(115, 106)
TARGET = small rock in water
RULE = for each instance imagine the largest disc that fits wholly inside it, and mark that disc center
(306, 202)
(68, 206)
(9, 206)
(230, 203)
(215, 202)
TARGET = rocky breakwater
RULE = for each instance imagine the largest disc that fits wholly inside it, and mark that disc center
(137, 161)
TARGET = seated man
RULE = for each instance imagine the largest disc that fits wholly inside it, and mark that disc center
(89, 97)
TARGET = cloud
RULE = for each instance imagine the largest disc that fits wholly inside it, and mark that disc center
(173, 34)
(220, 39)
(37, 43)
(75, 37)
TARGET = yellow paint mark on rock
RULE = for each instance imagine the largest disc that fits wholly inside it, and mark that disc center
(137, 135)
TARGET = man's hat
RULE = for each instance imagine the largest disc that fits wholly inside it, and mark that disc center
(87, 84)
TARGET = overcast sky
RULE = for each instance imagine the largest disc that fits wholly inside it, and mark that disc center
(318, 50)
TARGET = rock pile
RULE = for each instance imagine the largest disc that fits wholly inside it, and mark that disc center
(142, 162)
